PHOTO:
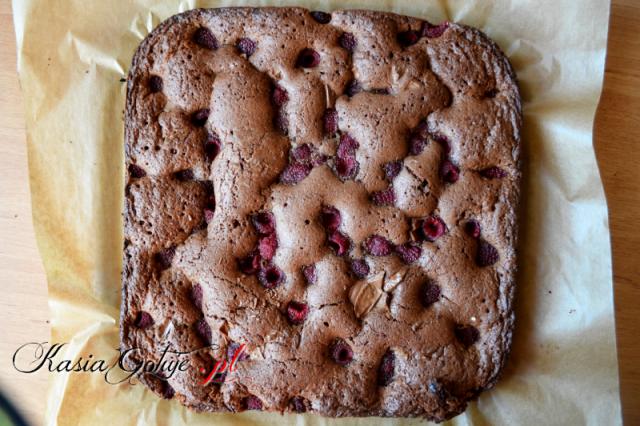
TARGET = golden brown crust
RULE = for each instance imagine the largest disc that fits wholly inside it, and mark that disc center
(195, 179)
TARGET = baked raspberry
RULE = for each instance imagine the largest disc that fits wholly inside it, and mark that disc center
(143, 320)
(346, 168)
(196, 295)
(339, 243)
(360, 268)
(301, 153)
(155, 84)
(167, 391)
(331, 218)
(270, 276)
(341, 352)
(408, 252)
(466, 334)
(472, 228)
(264, 222)
(208, 215)
(251, 402)
(347, 146)
(417, 144)
(321, 17)
(246, 46)
(380, 91)
(199, 118)
(136, 172)
(386, 371)
(297, 312)
(249, 265)
(308, 58)
(279, 96)
(422, 129)
(164, 257)
(184, 175)
(449, 172)
(493, 173)
(212, 146)
(433, 228)
(281, 122)
(299, 404)
(385, 197)
(330, 121)
(378, 245)
(294, 173)
(433, 31)
(353, 88)
(443, 141)
(309, 273)
(348, 41)
(203, 37)
(267, 246)
(487, 254)
(203, 330)
(429, 293)
(392, 169)
(232, 348)
(408, 38)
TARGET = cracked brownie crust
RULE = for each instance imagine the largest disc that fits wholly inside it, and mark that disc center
(336, 191)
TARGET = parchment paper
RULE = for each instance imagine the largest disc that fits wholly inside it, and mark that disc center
(563, 369)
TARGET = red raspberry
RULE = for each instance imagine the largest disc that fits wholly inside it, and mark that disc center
(331, 218)
(409, 252)
(433, 228)
(299, 404)
(249, 265)
(321, 17)
(308, 58)
(433, 31)
(472, 228)
(212, 147)
(264, 222)
(297, 312)
(155, 84)
(386, 371)
(309, 273)
(184, 175)
(208, 215)
(339, 243)
(443, 141)
(246, 46)
(165, 257)
(466, 334)
(270, 276)
(449, 171)
(392, 169)
(330, 121)
(301, 153)
(143, 320)
(346, 168)
(429, 293)
(252, 402)
(386, 197)
(203, 330)
(487, 254)
(279, 96)
(167, 391)
(294, 173)
(493, 173)
(196, 295)
(136, 172)
(281, 122)
(360, 268)
(199, 118)
(347, 146)
(348, 41)
(267, 246)
(203, 37)
(408, 38)
(353, 88)
(416, 144)
(341, 352)
(378, 245)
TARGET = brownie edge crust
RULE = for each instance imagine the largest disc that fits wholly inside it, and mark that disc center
(335, 191)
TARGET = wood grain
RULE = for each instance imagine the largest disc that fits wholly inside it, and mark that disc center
(23, 305)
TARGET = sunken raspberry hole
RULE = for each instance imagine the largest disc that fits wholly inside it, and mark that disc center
(308, 58)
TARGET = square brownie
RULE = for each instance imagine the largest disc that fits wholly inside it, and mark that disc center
(337, 192)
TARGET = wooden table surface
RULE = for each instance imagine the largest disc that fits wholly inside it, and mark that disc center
(23, 304)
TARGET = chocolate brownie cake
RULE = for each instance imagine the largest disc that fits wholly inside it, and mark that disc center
(336, 191)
